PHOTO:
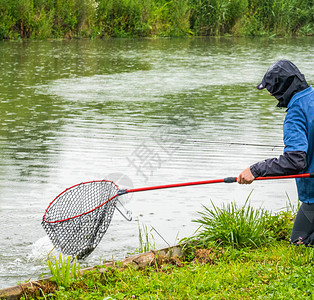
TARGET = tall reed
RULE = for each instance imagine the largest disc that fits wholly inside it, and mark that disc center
(146, 239)
(63, 272)
(124, 18)
(233, 225)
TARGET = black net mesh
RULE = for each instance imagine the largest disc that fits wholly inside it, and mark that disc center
(76, 220)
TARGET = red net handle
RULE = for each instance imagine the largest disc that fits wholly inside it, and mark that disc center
(225, 180)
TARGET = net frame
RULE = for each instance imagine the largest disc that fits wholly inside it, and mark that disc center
(77, 218)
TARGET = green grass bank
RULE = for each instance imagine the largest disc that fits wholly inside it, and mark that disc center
(43, 19)
(279, 271)
(237, 253)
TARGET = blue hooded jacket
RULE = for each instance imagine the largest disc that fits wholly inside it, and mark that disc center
(298, 130)
(286, 83)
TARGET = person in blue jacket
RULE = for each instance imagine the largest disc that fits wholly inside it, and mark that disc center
(285, 82)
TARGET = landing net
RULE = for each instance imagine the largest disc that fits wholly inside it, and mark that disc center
(77, 219)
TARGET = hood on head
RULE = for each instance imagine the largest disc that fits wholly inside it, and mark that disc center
(283, 79)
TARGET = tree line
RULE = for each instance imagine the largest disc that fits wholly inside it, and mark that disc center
(43, 19)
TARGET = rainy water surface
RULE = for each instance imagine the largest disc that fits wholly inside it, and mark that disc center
(140, 113)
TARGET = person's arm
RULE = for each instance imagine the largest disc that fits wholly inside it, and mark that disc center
(291, 162)
(293, 159)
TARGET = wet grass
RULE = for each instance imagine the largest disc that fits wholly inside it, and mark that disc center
(278, 271)
(233, 225)
(223, 267)
(239, 227)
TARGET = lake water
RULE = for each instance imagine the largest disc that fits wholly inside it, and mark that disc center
(140, 112)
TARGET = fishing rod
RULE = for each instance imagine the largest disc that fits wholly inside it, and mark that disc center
(240, 144)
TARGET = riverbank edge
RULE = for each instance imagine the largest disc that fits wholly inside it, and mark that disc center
(139, 260)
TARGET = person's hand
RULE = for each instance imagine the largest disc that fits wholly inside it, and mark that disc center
(245, 177)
